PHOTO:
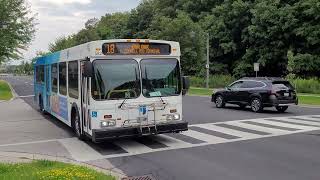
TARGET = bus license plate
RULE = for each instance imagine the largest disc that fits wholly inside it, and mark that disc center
(286, 94)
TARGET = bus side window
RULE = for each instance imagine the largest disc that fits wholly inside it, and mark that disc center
(73, 83)
(63, 78)
(54, 77)
(40, 74)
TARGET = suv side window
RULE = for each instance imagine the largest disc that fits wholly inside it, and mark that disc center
(236, 85)
(252, 84)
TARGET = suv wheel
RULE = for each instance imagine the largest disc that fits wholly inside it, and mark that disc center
(220, 103)
(281, 108)
(77, 126)
(256, 105)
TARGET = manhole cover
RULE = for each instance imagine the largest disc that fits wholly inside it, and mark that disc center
(146, 177)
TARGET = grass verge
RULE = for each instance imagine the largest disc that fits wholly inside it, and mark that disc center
(308, 99)
(5, 91)
(49, 170)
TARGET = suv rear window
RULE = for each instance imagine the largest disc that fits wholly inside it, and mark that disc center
(282, 85)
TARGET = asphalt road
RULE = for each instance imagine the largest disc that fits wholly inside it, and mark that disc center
(285, 157)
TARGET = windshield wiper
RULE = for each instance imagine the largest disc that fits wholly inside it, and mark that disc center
(123, 103)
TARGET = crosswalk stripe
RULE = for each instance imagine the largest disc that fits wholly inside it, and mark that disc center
(79, 150)
(204, 137)
(171, 142)
(133, 147)
(204, 134)
(285, 125)
(259, 128)
(296, 122)
(305, 119)
(214, 133)
(230, 126)
(270, 126)
(241, 134)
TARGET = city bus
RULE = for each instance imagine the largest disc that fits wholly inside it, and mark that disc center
(114, 88)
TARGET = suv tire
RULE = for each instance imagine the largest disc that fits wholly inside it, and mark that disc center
(281, 108)
(256, 105)
(220, 103)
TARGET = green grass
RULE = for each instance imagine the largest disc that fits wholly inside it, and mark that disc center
(49, 170)
(200, 91)
(310, 99)
(5, 91)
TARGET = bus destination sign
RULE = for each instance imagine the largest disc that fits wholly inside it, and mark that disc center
(136, 48)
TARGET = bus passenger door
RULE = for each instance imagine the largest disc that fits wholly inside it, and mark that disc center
(84, 101)
(48, 86)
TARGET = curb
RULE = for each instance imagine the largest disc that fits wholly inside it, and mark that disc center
(13, 92)
(308, 106)
(26, 157)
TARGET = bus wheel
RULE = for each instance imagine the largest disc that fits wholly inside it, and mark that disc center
(41, 108)
(77, 126)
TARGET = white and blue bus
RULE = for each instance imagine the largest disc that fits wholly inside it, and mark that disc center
(114, 88)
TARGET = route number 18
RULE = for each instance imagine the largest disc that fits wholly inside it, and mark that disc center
(110, 48)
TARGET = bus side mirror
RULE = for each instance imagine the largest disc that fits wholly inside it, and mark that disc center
(185, 85)
(88, 69)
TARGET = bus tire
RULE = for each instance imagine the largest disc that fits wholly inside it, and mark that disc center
(76, 125)
(40, 103)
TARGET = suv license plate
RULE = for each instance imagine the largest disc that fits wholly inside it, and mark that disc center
(286, 94)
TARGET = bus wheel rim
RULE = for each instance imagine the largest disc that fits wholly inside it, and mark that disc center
(77, 125)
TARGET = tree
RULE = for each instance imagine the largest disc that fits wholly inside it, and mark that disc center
(16, 28)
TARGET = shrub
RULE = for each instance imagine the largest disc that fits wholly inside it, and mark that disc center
(215, 81)
(311, 85)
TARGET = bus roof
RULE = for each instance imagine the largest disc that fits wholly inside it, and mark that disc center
(94, 49)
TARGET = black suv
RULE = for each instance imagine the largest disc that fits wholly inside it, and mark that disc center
(258, 93)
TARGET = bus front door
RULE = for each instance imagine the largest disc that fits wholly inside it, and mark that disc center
(86, 124)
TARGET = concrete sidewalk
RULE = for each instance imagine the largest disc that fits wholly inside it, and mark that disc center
(27, 135)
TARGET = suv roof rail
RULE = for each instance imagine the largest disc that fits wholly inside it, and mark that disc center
(263, 78)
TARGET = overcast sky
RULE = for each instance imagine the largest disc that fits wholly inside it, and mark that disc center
(64, 17)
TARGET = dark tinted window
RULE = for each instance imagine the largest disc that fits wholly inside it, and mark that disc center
(40, 74)
(252, 84)
(63, 78)
(236, 85)
(282, 85)
(73, 79)
(54, 77)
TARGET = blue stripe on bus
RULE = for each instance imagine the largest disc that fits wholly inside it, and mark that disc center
(49, 59)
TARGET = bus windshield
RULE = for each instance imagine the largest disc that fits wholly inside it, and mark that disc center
(115, 79)
(160, 77)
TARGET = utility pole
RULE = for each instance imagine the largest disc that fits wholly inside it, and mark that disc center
(208, 62)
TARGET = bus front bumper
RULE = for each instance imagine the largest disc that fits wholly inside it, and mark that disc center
(99, 135)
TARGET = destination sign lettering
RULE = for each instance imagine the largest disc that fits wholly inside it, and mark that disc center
(131, 48)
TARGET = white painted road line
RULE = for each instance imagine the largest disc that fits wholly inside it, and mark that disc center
(241, 134)
(30, 142)
(300, 127)
(79, 150)
(133, 147)
(204, 137)
(26, 96)
(301, 121)
(260, 128)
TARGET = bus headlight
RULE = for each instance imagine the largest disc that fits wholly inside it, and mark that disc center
(108, 123)
(176, 116)
(171, 117)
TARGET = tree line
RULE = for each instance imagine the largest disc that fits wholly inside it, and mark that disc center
(282, 35)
